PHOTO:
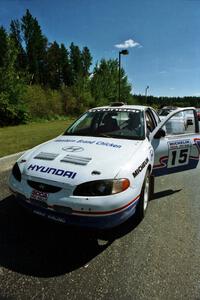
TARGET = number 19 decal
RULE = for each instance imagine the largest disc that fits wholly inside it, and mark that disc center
(178, 157)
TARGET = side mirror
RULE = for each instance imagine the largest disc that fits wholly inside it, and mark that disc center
(160, 133)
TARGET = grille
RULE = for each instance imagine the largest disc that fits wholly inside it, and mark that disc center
(46, 156)
(43, 187)
(78, 160)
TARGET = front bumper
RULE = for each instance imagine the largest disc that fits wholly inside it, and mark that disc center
(93, 221)
(95, 212)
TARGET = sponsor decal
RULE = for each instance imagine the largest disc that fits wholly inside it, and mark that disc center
(179, 153)
(108, 144)
(73, 149)
(163, 169)
(85, 142)
(99, 143)
(54, 171)
(141, 167)
(114, 110)
(162, 163)
(179, 144)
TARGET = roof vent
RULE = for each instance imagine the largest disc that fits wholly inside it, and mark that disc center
(117, 103)
(77, 160)
(46, 156)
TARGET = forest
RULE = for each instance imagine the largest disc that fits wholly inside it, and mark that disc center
(46, 80)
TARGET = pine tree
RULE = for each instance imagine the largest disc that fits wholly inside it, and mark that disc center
(76, 62)
(54, 65)
(86, 61)
(36, 44)
(66, 69)
(3, 46)
(15, 35)
(104, 82)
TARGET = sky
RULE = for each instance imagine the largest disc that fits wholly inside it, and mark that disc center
(162, 37)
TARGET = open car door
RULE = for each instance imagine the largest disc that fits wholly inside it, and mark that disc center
(176, 142)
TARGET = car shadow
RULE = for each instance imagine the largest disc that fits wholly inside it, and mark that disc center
(37, 247)
(33, 246)
(132, 222)
(164, 194)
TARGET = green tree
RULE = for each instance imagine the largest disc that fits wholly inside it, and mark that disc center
(12, 109)
(54, 65)
(36, 44)
(76, 62)
(66, 69)
(86, 61)
(3, 46)
(104, 82)
(82, 93)
(15, 35)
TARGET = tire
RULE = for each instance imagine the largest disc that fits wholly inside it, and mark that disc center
(146, 192)
(152, 184)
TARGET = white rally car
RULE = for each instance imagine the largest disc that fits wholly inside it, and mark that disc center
(100, 171)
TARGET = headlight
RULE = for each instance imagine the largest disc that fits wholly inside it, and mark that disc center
(102, 187)
(16, 172)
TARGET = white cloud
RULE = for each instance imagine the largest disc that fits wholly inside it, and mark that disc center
(128, 44)
(163, 72)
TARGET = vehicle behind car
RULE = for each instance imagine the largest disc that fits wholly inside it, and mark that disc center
(189, 118)
(163, 112)
(198, 113)
(177, 124)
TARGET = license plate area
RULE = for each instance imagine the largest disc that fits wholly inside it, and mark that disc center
(39, 196)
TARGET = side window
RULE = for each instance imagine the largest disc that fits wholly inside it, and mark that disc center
(149, 122)
(156, 117)
(86, 123)
(83, 124)
(181, 123)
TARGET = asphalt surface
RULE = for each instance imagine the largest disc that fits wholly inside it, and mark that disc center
(156, 259)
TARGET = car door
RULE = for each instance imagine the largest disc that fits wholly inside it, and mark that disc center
(176, 147)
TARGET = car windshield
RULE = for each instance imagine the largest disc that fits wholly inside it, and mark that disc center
(164, 112)
(115, 123)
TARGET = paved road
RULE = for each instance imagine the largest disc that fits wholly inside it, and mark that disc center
(157, 259)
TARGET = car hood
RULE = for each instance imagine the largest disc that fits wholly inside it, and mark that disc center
(75, 159)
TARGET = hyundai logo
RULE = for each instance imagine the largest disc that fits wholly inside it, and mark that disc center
(41, 187)
(73, 149)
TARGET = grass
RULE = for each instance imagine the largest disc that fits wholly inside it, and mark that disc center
(14, 139)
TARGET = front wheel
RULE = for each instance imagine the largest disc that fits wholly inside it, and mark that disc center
(144, 197)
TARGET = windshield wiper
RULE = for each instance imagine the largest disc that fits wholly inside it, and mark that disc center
(104, 135)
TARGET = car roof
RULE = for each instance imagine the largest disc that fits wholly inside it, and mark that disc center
(170, 107)
(138, 107)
